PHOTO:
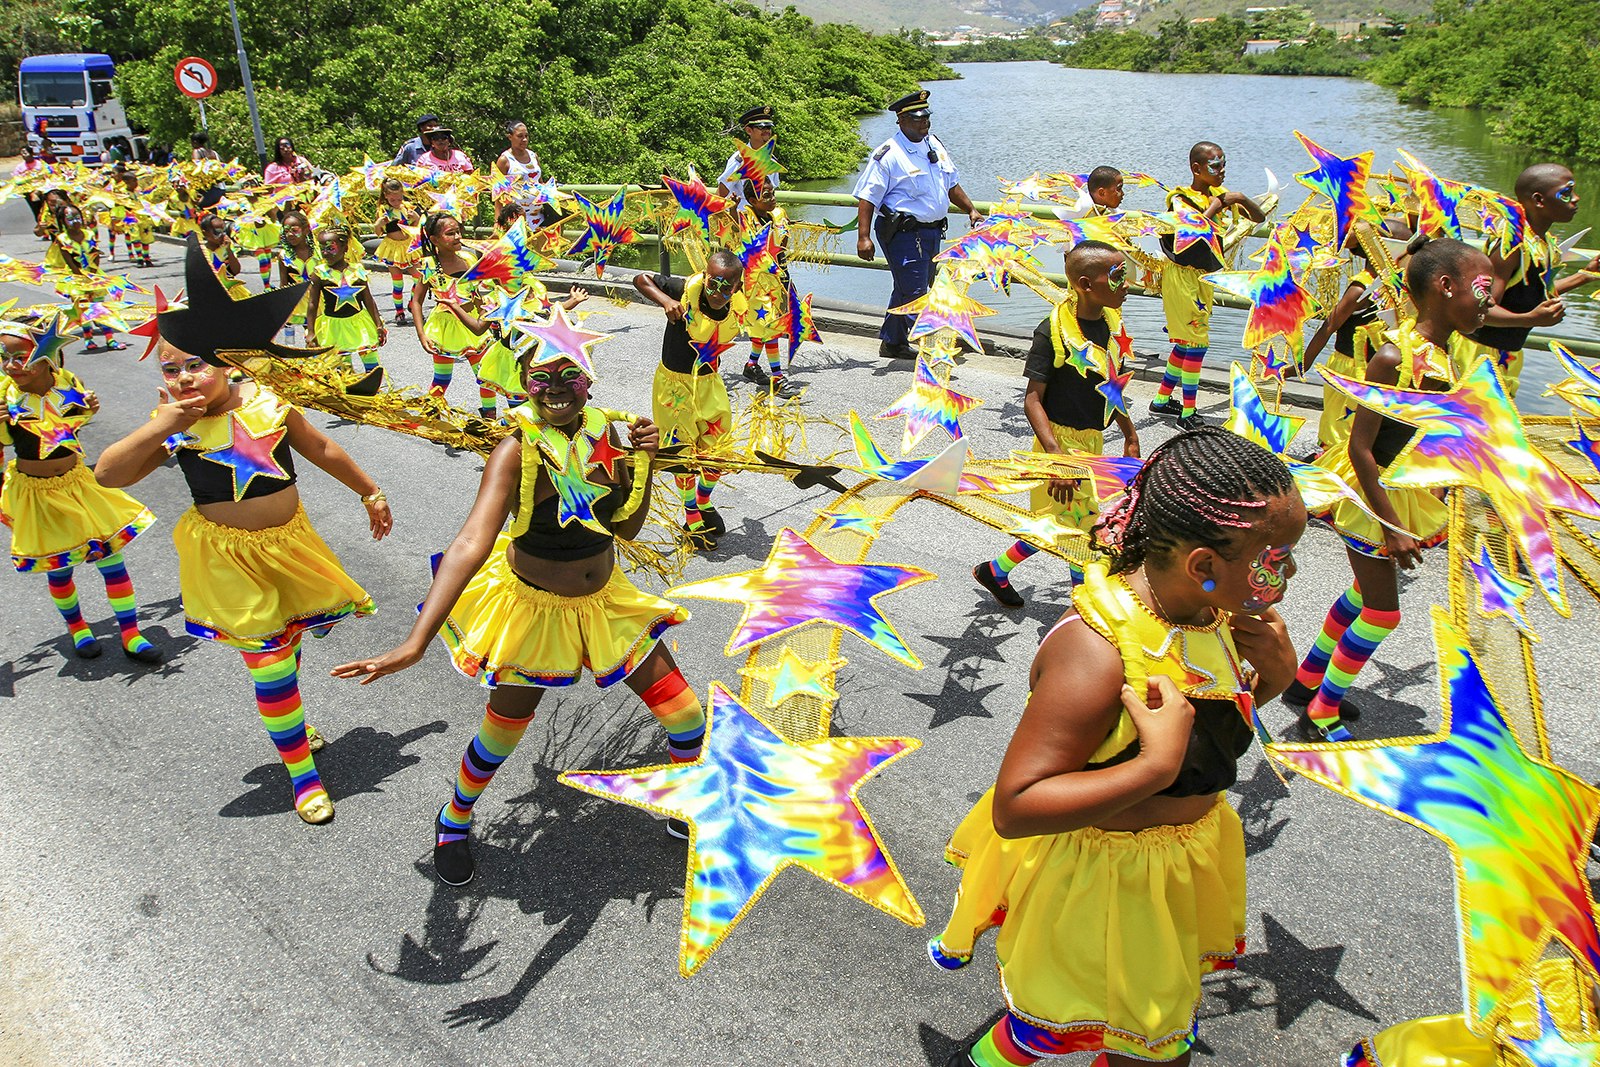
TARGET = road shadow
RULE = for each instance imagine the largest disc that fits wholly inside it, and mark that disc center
(356, 762)
(938, 1047)
(554, 852)
(1257, 807)
(111, 663)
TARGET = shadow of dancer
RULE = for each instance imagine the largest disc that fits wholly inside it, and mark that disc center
(358, 761)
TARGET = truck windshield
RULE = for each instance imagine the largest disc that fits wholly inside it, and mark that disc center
(52, 89)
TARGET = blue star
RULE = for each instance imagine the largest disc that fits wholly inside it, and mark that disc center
(345, 294)
(67, 396)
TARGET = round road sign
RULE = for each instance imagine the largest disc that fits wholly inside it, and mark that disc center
(195, 77)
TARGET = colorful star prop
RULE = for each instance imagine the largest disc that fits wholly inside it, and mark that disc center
(48, 339)
(1509, 223)
(248, 456)
(1042, 531)
(1275, 358)
(945, 306)
(510, 259)
(855, 520)
(794, 676)
(757, 165)
(799, 584)
(1518, 828)
(1279, 304)
(1250, 419)
(756, 804)
(149, 329)
(1550, 1048)
(1115, 388)
(944, 473)
(1342, 180)
(1472, 435)
(1499, 595)
(1581, 387)
(928, 403)
(576, 494)
(53, 434)
(798, 322)
(1109, 475)
(603, 231)
(1438, 199)
(345, 294)
(560, 338)
(1190, 226)
(708, 353)
(696, 203)
(508, 308)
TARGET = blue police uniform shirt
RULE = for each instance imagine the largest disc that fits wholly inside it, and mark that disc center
(410, 152)
(900, 178)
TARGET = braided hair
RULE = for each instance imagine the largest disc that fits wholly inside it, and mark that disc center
(1195, 489)
(430, 227)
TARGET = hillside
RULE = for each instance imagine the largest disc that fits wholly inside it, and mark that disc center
(932, 15)
(1323, 11)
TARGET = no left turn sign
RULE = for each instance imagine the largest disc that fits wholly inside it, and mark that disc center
(195, 77)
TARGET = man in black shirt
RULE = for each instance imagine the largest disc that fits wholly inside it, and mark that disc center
(690, 401)
(1071, 399)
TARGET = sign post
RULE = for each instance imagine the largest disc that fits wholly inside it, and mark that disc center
(197, 80)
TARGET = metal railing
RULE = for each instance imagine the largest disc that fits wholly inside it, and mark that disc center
(1582, 346)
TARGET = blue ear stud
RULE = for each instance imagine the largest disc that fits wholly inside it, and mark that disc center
(1209, 586)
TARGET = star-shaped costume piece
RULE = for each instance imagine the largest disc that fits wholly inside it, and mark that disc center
(855, 520)
(793, 675)
(560, 338)
(756, 804)
(149, 329)
(508, 308)
(798, 322)
(1042, 531)
(510, 259)
(1189, 227)
(945, 306)
(1518, 828)
(603, 231)
(1581, 387)
(1550, 1048)
(928, 403)
(1279, 304)
(346, 295)
(605, 454)
(943, 473)
(48, 339)
(1587, 447)
(1438, 199)
(248, 456)
(799, 584)
(1115, 389)
(1250, 419)
(1472, 435)
(1342, 180)
(1499, 595)
(696, 203)
(1110, 475)
(756, 165)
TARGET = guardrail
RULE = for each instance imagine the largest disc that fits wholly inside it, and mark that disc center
(1582, 346)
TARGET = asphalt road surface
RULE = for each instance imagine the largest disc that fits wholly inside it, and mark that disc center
(160, 902)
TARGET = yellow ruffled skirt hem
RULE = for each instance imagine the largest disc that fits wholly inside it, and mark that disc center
(503, 631)
(352, 333)
(451, 334)
(260, 590)
(1103, 936)
(67, 520)
(396, 251)
(1418, 510)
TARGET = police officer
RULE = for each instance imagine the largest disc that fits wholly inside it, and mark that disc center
(903, 195)
(757, 125)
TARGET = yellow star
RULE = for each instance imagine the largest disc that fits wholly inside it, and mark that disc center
(794, 676)
(1042, 531)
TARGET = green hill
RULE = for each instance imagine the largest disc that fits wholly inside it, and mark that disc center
(934, 15)
(1323, 11)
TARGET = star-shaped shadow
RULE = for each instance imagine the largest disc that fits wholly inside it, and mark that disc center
(1300, 975)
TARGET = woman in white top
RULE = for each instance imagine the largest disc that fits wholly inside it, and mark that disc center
(522, 166)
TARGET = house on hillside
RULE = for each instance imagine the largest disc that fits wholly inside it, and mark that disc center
(1258, 48)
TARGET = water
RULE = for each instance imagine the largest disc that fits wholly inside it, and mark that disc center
(1011, 119)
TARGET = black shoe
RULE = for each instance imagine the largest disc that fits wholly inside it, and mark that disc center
(1165, 409)
(452, 861)
(713, 521)
(700, 539)
(753, 373)
(148, 654)
(783, 387)
(678, 828)
(1299, 697)
(983, 574)
(91, 650)
(889, 351)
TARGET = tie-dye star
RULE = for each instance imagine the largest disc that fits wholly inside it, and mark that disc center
(1250, 419)
(1279, 304)
(1550, 1048)
(1518, 828)
(603, 231)
(756, 804)
(798, 584)
(1275, 359)
(346, 295)
(1342, 180)
(249, 456)
(1438, 199)
(945, 306)
(1499, 595)
(1109, 475)
(48, 339)
(1472, 435)
(1189, 227)
(508, 308)
(1581, 387)
(53, 433)
(928, 403)
(793, 675)
(855, 520)
(560, 338)
(757, 165)
(708, 353)
(1587, 447)
(696, 203)
(798, 322)
(510, 260)
(1115, 388)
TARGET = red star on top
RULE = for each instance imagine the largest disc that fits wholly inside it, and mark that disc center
(605, 454)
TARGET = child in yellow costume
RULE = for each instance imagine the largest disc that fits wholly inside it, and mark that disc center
(396, 228)
(1450, 284)
(1186, 296)
(1106, 853)
(253, 573)
(528, 609)
(216, 231)
(59, 516)
(444, 336)
(342, 314)
(1076, 350)
(690, 400)
(296, 258)
(767, 285)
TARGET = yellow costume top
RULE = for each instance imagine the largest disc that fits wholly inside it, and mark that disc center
(48, 424)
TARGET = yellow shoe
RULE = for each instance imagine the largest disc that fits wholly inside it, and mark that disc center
(314, 740)
(317, 810)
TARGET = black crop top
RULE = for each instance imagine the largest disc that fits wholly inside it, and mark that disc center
(59, 413)
(547, 539)
(26, 445)
(1220, 735)
(238, 455)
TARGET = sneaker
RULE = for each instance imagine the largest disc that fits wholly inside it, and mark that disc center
(889, 351)
(678, 828)
(713, 521)
(983, 574)
(699, 538)
(452, 861)
(754, 373)
(1192, 421)
(400, 318)
(147, 654)
(87, 650)
(783, 387)
(1165, 409)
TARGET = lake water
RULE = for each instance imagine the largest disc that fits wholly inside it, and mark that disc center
(1011, 119)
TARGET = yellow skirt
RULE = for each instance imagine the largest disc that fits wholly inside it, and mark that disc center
(1337, 410)
(504, 631)
(451, 334)
(352, 333)
(260, 236)
(1081, 510)
(67, 520)
(1186, 298)
(397, 251)
(260, 590)
(1104, 936)
(690, 409)
(1418, 510)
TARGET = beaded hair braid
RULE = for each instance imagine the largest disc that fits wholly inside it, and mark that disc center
(1194, 490)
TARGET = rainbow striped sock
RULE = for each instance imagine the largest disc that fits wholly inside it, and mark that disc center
(277, 679)
(774, 364)
(702, 491)
(119, 590)
(1189, 371)
(1002, 565)
(264, 268)
(369, 360)
(1357, 645)
(444, 368)
(497, 739)
(1171, 376)
(691, 502)
(397, 288)
(64, 591)
(1340, 616)
(678, 711)
(999, 1048)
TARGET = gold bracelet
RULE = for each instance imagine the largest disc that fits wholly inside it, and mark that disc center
(374, 498)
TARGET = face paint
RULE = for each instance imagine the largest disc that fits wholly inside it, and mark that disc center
(721, 286)
(1117, 277)
(538, 381)
(1483, 290)
(1218, 165)
(1568, 193)
(1268, 578)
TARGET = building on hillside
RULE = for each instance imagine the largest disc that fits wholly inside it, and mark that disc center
(1257, 48)
(1356, 29)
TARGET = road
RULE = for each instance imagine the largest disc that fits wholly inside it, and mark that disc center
(161, 903)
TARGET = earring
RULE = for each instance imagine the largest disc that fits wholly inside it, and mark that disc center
(1209, 586)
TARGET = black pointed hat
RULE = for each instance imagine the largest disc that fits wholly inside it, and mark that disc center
(214, 321)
